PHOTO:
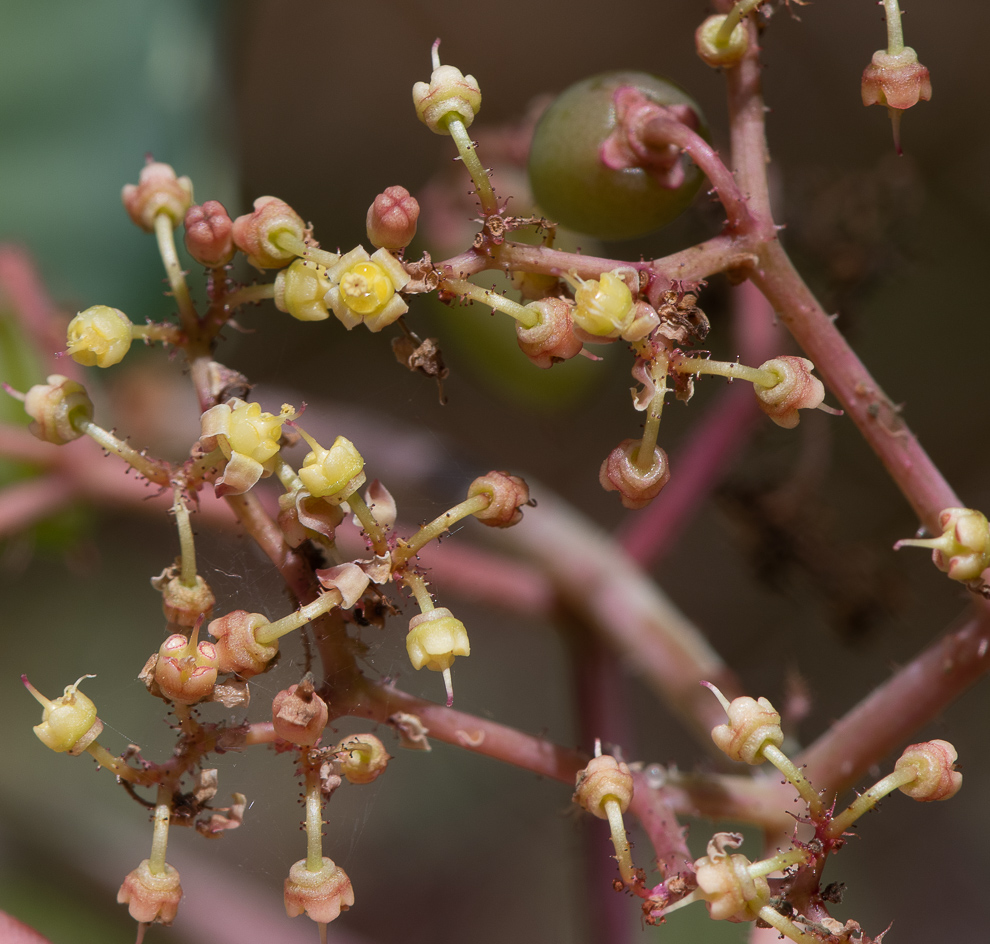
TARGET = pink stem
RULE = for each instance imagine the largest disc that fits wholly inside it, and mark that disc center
(891, 713)
(662, 131)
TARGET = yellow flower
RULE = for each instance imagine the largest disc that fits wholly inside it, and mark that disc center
(100, 336)
(364, 289)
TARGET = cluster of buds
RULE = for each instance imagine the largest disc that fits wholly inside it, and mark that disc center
(962, 550)
(58, 408)
(100, 336)
(247, 437)
(158, 193)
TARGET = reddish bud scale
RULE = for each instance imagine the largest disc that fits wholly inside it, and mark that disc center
(896, 80)
(158, 190)
(149, 896)
(796, 390)
(237, 649)
(322, 895)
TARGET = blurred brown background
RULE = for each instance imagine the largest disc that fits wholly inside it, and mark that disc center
(311, 102)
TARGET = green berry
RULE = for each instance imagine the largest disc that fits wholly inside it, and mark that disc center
(574, 187)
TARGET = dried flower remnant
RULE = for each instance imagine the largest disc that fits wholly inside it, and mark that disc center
(299, 715)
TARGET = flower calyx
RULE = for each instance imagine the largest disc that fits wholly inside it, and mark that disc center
(362, 758)
(752, 725)
(363, 289)
(299, 715)
(621, 472)
(100, 336)
(158, 191)
(552, 338)
(184, 604)
(270, 235)
(508, 493)
(718, 47)
(935, 763)
(795, 390)
(604, 778)
(69, 723)
(238, 651)
(963, 549)
(58, 408)
(448, 95)
(151, 897)
(321, 894)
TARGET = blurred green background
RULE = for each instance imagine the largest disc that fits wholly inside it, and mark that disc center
(310, 101)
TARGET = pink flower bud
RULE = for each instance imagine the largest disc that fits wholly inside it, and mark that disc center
(237, 649)
(392, 218)
(257, 234)
(209, 234)
(299, 715)
(795, 390)
(619, 473)
(158, 191)
(186, 672)
(552, 338)
(937, 777)
(603, 778)
(507, 493)
(149, 896)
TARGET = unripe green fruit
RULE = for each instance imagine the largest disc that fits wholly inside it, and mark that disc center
(571, 184)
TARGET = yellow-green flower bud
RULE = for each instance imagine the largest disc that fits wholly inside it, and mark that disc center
(435, 638)
(299, 291)
(333, 473)
(449, 93)
(605, 307)
(69, 723)
(100, 336)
